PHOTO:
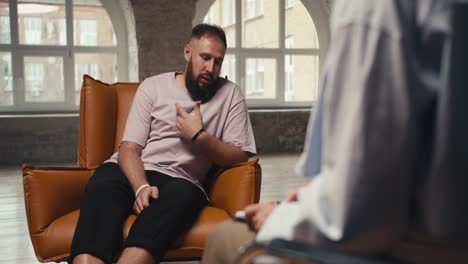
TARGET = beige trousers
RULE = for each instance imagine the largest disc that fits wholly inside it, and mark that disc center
(224, 242)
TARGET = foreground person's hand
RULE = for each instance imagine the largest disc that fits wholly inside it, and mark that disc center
(256, 214)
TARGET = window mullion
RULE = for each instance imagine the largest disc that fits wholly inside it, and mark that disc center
(280, 81)
(16, 59)
(282, 24)
(69, 60)
(69, 23)
(239, 64)
(280, 58)
(69, 73)
(95, 49)
(13, 23)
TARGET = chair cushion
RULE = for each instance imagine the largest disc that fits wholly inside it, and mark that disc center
(60, 232)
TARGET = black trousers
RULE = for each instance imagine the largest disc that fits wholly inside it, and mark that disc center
(108, 201)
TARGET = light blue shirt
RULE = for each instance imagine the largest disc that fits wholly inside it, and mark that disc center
(392, 172)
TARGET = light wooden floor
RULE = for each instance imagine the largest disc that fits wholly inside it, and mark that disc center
(15, 247)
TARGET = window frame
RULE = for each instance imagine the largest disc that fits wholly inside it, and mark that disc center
(67, 53)
(319, 12)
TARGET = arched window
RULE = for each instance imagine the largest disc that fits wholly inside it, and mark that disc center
(47, 45)
(275, 47)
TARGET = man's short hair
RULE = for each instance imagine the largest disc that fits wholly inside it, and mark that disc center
(203, 29)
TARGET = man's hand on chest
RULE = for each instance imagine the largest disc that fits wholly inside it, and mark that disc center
(188, 124)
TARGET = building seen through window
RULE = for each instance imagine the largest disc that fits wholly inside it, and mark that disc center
(4, 29)
(88, 32)
(290, 3)
(6, 76)
(253, 8)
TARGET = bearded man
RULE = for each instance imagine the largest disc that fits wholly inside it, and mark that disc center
(180, 123)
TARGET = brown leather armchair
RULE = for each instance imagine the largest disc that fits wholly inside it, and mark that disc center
(53, 194)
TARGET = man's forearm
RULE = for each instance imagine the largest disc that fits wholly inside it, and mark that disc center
(132, 166)
(220, 153)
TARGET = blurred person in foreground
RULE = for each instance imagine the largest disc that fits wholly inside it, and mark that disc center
(387, 145)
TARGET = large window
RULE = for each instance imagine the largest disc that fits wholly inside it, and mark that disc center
(47, 45)
(274, 48)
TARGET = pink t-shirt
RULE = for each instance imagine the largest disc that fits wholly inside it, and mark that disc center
(152, 124)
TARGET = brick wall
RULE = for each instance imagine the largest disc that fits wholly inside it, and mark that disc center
(48, 140)
(54, 140)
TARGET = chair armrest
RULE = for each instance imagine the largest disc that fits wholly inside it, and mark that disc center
(237, 186)
(51, 192)
(306, 253)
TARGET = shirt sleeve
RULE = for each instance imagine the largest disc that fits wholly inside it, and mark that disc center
(139, 119)
(238, 129)
(360, 199)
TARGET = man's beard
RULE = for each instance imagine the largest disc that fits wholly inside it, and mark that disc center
(197, 92)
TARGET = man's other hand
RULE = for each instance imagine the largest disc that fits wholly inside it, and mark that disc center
(188, 124)
(143, 199)
(256, 214)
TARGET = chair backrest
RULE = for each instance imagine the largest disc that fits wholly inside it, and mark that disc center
(103, 113)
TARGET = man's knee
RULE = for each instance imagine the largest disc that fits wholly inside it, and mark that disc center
(87, 258)
(136, 255)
